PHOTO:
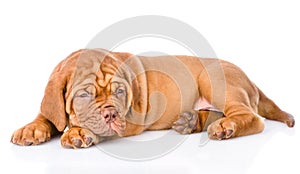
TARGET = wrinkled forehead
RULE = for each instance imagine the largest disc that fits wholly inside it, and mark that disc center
(95, 68)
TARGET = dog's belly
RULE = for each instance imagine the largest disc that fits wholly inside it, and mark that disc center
(172, 89)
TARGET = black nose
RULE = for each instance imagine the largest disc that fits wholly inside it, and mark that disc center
(109, 114)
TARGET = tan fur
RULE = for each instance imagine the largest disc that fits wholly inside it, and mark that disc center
(158, 90)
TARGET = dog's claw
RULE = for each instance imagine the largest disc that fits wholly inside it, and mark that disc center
(88, 140)
(77, 143)
(27, 143)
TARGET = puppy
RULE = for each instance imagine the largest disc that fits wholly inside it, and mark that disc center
(100, 94)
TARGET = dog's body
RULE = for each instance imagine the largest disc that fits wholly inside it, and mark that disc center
(100, 94)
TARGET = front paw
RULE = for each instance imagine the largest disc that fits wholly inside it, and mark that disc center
(187, 123)
(77, 137)
(33, 133)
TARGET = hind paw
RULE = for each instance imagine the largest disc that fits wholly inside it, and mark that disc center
(221, 129)
(187, 123)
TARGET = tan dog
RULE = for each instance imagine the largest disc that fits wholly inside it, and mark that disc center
(99, 94)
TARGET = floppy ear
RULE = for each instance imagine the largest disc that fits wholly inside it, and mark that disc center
(53, 104)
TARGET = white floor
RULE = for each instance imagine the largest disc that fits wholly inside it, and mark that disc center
(276, 150)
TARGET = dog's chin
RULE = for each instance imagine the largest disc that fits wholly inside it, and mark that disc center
(110, 132)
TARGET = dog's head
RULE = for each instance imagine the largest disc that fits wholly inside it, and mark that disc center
(94, 89)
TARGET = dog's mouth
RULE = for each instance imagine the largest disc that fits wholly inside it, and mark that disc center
(103, 119)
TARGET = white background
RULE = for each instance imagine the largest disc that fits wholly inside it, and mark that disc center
(262, 37)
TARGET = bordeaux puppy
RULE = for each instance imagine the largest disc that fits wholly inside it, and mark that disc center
(99, 94)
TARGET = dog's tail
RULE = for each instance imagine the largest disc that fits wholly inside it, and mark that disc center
(268, 109)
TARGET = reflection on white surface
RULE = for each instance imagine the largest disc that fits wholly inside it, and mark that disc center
(148, 146)
(148, 136)
(272, 150)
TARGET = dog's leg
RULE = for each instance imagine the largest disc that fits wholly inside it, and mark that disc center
(239, 120)
(268, 109)
(77, 137)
